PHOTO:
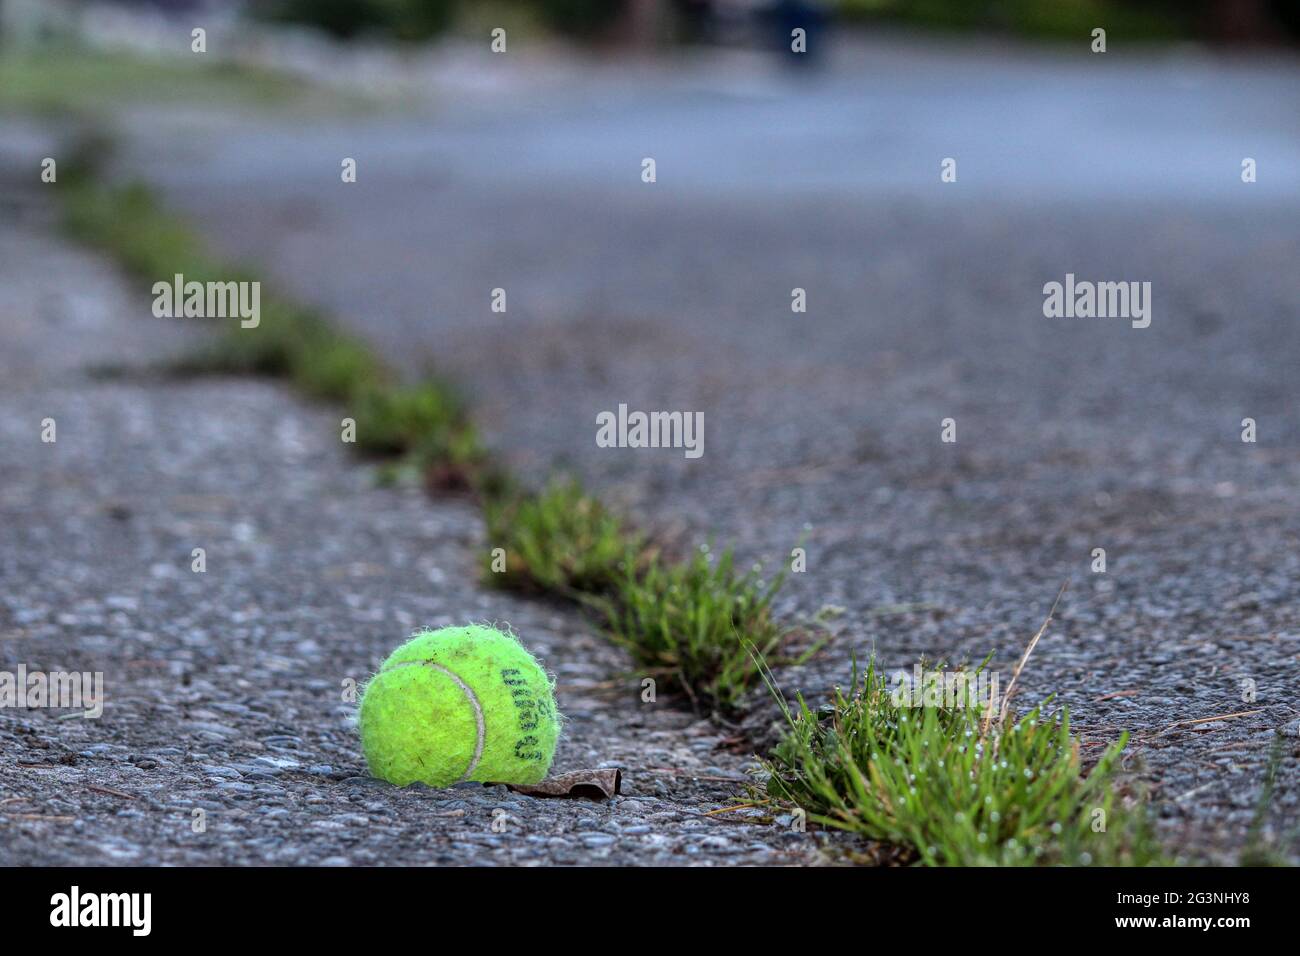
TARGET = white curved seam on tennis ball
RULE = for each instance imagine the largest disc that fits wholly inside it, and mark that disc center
(473, 700)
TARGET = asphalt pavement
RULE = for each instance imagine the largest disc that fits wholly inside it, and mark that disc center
(924, 303)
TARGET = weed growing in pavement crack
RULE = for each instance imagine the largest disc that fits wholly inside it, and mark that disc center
(957, 788)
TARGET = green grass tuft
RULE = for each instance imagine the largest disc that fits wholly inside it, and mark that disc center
(690, 621)
(929, 778)
(1263, 848)
(398, 419)
(330, 366)
(146, 239)
(696, 621)
(559, 540)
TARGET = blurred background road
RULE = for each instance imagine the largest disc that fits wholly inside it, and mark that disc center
(523, 172)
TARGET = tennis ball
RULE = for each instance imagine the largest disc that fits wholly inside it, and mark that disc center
(460, 703)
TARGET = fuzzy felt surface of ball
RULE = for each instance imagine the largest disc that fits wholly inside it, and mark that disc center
(457, 704)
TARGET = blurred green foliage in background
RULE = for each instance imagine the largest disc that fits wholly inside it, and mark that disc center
(578, 16)
(1133, 19)
(421, 19)
(1056, 18)
(402, 19)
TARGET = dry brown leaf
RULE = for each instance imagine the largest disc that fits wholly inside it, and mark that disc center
(577, 785)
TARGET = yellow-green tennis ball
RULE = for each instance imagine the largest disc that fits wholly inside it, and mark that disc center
(460, 703)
